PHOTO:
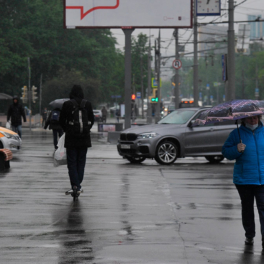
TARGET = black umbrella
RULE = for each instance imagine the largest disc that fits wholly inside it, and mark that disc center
(58, 103)
(4, 96)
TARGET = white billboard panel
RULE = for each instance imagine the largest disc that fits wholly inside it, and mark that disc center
(128, 13)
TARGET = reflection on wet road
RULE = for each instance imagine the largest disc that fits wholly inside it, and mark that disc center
(128, 214)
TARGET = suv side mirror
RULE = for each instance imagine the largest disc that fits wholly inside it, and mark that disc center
(191, 124)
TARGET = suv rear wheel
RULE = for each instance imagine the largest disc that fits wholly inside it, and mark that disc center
(166, 153)
(215, 159)
(135, 160)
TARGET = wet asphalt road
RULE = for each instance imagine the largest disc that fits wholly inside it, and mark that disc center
(188, 213)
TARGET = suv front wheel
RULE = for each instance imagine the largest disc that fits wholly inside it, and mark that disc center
(166, 153)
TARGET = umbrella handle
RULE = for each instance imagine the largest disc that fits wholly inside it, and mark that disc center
(238, 132)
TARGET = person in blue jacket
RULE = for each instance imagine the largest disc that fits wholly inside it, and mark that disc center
(248, 175)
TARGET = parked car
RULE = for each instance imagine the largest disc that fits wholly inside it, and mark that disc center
(9, 139)
(97, 115)
(174, 137)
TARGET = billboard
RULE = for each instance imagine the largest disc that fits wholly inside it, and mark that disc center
(128, 13)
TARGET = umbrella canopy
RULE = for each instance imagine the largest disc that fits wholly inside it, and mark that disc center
(232, 110)
(4, 96)
(58, 103)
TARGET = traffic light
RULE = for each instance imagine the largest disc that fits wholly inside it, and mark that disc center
(24, 94)
(133, 97)
(34, 93)
(155, 98)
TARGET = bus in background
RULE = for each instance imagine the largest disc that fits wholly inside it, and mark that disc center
(184, 103)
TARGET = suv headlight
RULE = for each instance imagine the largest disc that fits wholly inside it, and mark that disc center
(147, 135)
(7, 135)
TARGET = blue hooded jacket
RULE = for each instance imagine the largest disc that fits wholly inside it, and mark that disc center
(249, 166)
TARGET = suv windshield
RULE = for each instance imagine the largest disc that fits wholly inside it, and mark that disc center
(178, 117)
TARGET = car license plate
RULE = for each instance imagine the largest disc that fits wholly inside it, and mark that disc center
(125, 146)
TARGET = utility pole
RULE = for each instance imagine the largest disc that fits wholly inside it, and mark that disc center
(149, 115)
(40, 94)
(128, 33)
(195, 58)
(133, 104)
(29, 93)
(176, 79)
(257, 89)
(157, 114)
(231, 92)
(142, 90)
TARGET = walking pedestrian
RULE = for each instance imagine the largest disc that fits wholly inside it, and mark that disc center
(104, 114)
(248, 175)
(44, 116)
(117, 114)
(54, 124)
(15, 113)
(76, 119)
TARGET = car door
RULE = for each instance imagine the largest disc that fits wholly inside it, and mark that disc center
(199, 139)
(207, 139)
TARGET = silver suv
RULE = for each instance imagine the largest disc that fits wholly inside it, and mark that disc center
(175, 137)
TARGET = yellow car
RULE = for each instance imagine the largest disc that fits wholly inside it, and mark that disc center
(9, 139)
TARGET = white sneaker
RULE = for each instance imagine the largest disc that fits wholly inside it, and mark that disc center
(80, 191)
(69, 192)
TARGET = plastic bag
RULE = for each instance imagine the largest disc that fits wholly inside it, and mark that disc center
(60, 155)
(8, 125)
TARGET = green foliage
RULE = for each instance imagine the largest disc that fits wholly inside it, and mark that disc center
(139, 52)
(34, 29)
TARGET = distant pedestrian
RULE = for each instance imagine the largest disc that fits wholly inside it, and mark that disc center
(53, 123)
(104, 114)
(44, 116)
(76, 119)
(15, 113)
(248, 175)
(117, 114)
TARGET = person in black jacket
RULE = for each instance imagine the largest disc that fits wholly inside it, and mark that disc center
(53, 123)
(15, 112)
(76, 145)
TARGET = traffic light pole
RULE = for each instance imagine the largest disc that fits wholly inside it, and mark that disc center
(157, 114)
(149, 115)
(40, 94)
(176, 87)
(230, 91)
(195, 58)
(29, 92)
(128, 33)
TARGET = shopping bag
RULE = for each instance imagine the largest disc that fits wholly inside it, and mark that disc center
(8, 125)
(60, 156)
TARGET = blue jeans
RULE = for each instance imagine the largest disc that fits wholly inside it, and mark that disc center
(56, 133)
(76, 159)
(247, 194)
(18, 130)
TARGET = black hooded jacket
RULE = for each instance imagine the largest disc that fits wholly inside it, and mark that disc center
(15, 112)
(66, 115)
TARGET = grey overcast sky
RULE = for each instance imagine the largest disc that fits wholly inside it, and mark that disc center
(249, 7)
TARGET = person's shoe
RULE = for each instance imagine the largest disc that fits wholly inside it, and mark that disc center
(249, 241)
(80, 191)
(69, 192)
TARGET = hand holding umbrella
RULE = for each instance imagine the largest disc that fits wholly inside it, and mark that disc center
(241, 147)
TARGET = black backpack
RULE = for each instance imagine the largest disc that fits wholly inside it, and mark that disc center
(80, 125)
(55, 116)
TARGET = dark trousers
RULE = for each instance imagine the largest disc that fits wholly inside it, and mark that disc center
(76, 159)
(247, 194)
(57, 133)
